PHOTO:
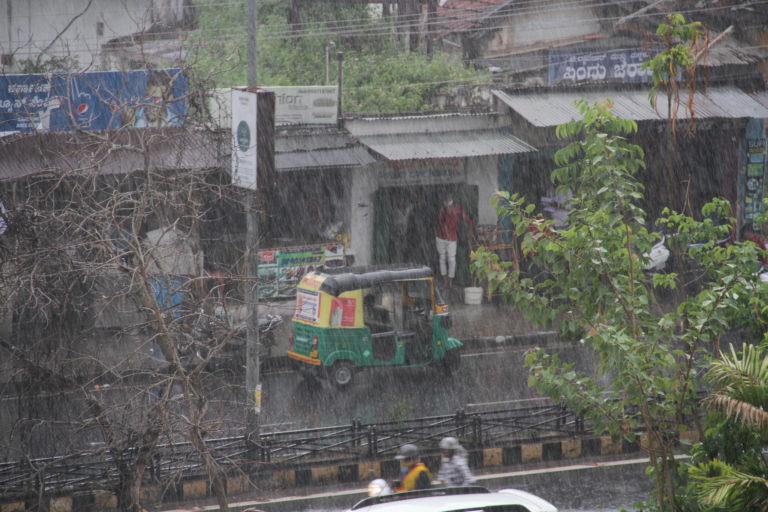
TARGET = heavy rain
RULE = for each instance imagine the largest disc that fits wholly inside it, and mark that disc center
(505, 254)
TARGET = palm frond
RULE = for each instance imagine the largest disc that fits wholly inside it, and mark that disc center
(742, 380)
(734, 489)
(744, 412)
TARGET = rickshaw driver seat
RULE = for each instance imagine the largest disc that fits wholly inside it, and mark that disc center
(418, 335)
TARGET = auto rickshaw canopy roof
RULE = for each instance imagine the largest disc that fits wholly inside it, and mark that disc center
(365, 277)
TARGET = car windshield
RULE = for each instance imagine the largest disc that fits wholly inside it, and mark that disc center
(454, 499)
(490, 508)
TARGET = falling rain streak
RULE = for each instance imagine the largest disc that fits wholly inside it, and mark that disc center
(372, 207)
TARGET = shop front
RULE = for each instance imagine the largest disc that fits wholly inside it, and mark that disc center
(309, 209)
(704, 160)
(422, 161)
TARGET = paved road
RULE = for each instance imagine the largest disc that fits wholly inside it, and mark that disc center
(488, 380)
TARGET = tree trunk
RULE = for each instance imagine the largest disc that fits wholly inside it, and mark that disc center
(217, 482)
(129, 492)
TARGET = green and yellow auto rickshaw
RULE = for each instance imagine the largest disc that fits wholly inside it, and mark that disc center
(370, 317)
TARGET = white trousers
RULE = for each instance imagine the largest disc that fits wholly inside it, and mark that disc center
(446, 249)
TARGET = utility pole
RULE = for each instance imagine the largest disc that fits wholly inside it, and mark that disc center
(253, 345)
(339, 97)
(431, 16)
(252, 43)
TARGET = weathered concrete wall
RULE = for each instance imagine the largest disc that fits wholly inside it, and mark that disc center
(71, 28)
(549, 25)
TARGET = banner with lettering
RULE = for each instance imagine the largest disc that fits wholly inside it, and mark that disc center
(280, 270)
(569, 66)
(100, 100)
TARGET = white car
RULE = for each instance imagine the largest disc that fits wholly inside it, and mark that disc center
(456, 499)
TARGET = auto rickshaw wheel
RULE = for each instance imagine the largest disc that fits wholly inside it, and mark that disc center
(451, 362)
(341, 373)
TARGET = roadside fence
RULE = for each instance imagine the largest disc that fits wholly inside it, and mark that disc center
(101, 469)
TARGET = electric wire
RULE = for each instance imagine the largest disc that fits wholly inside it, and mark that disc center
(466, 81)
(377, 27)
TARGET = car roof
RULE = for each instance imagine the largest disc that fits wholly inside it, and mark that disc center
(456, 500)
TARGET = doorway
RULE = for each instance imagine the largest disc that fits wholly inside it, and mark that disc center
(412, 241)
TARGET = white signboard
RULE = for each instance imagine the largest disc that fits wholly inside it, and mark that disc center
(314, 104)
(244, 111)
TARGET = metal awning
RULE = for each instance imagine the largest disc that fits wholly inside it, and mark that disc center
(313, 150)
(761, 97)
(335, 157)
(545, 109)
(450, 144)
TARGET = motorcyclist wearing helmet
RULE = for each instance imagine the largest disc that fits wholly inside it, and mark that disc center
(454, 470)
(413, 473)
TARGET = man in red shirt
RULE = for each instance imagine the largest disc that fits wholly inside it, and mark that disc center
(447, 233)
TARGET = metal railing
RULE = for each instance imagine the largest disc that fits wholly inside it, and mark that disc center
(357, 441)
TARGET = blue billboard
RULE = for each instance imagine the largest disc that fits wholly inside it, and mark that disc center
(570, 66)
(93, 101)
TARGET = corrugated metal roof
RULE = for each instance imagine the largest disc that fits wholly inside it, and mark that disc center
(311, 141)
(378, 118)
(553, 108)
(731, 51)
(761, 97)
(110, 152)
(318, 148)
(341, 157)
(453, 144)
(172, 148)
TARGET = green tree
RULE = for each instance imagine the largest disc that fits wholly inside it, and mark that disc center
(591, 279)
(379, 77)
(382, 83)
(729, 471)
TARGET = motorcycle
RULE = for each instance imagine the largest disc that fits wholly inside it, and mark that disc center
(208, 332)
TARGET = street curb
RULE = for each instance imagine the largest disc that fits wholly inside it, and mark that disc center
(527, 339)
(502, 458)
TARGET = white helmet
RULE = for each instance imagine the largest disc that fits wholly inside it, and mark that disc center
(379, 487)
(449, 443)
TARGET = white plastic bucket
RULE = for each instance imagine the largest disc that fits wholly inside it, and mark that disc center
(473, 295)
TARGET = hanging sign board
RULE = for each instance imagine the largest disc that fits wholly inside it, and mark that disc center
(305, 104)
(571, 66)
(244, 151)
(315, 104)
(281, 269)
